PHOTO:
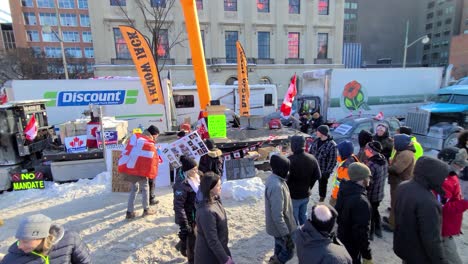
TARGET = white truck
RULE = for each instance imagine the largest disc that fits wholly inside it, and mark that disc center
(338, 93)
(125, 99)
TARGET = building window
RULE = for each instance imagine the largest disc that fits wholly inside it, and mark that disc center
(448, 21)
(30, 19)
(293, 45)
(202, 33)
(89, 52)
(87, 37)
(230, 38)
(230, 5)
(294, 6)
(322, 51)
(89, 67)
(33, 35)
(323, 6)
(263, 6)
(431, 4)
(446, 33)
(27, 3)
(68, 20)
(74, 52)
(48, 19)
(428, 26)
(68, 4)
(45, 3)
(49, 37)
(36, 51)
(263, 45)
(199, 4)
(158, 3)
(83, 4)
(121, 49)
(71, 36)
(53, 52)
(163, 44)
(118, 2)
(439, 23)
(353, 5)
(430, 15)
(84, 21)
(184, 101)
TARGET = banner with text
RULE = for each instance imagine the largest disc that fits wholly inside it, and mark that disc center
(243, 81)
(144, 62)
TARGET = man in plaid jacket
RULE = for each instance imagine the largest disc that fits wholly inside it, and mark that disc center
(324, 150)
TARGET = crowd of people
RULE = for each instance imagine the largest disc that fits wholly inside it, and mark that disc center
(426, 212)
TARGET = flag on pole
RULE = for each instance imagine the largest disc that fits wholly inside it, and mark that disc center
(289, 98)
(30, 131)
(379, 116)
(202, 128)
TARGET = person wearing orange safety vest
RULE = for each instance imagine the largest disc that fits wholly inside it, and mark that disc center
(345, 158)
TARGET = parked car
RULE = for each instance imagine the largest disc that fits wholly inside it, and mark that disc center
(349, 128)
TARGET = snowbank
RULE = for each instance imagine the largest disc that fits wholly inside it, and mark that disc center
(239, 190)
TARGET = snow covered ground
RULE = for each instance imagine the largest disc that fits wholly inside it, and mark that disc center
(91, 209)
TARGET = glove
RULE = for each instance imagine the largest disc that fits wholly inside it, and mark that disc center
(229, 261)
(367, 261)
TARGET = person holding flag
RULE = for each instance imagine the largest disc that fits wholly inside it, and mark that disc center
(139, 162)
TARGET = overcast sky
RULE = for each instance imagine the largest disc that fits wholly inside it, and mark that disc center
(5, 6)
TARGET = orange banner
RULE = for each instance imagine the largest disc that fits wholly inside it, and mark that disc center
(243, 81)
(144, 63)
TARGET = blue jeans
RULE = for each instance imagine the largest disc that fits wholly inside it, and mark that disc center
(300, 210)
(282, 252)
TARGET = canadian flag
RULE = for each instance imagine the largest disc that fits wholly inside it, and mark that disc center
(202, 128)
(379, 116)
(289, 98)
(30, 131)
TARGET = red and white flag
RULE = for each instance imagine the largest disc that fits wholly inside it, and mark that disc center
(30, 131)
(379, 116)
(202, 128)
(289, 98)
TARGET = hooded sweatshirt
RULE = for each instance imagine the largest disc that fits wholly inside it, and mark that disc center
(67, 248)
(304, 170)
(401, 167)
(417, 235)
(317, 247)
(279, 217)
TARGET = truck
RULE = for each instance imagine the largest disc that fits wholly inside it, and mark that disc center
(339, 93)
(124, 99)
(437, 124)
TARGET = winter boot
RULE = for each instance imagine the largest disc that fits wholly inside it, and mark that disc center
(149, 211)
(378, 232)
(130, 215)
(154, 201)
(181, 246)
(274, 260)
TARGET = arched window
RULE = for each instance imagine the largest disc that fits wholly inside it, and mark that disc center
(265, 80)
(231, 80)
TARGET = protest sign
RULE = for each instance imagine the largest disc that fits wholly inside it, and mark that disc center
(217, 126)
(191, 146)
(27, 180)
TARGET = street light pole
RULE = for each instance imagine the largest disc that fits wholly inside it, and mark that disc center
(59, 26)
(406, 44)
(425, 39)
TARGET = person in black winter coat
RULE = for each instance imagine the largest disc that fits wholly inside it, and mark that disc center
(316, 121)
(375, 192)
(41, 241)
(354, 213)
(417, 236)
(212, 227)
(364, 137)
(315, 242)
(383, 137)
(324, 150)
(186, 184)
(303, 173)
(213, 160)
(463, 143)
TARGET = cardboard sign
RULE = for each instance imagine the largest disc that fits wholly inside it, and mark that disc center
(217, 126)
(239, 169)
(27, 180)
(76, 144)
(110, 137)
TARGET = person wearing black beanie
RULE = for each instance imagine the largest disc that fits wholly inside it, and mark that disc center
(279, 217)
(315, 240)
(186, 186)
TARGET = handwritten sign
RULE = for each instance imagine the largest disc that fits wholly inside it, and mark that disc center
(239, 169)
(27, 180)
(217, 126)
